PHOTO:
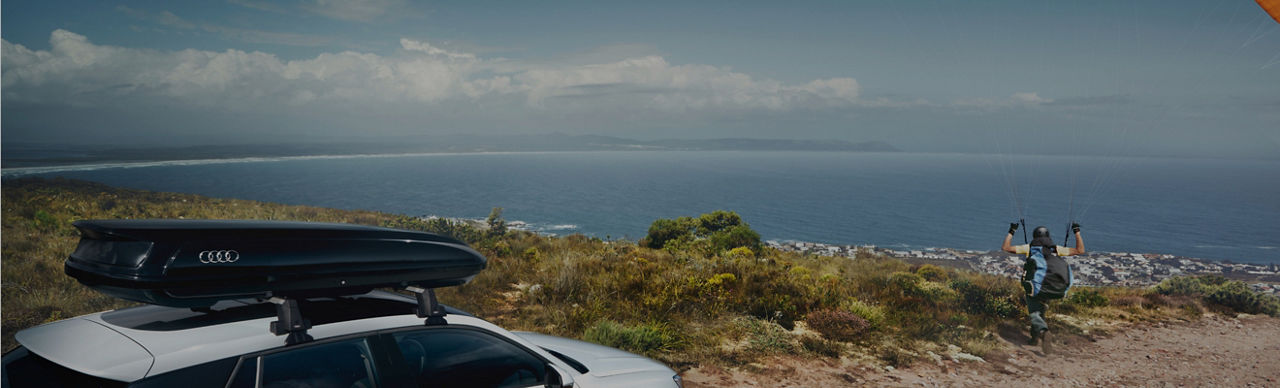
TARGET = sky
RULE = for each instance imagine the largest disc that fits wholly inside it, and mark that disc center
(1176, 78)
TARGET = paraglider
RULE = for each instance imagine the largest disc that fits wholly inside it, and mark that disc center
(1272, 7)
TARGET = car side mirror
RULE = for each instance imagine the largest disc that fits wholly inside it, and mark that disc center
(558, 378)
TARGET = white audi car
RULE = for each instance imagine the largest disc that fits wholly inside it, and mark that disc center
(271, 304)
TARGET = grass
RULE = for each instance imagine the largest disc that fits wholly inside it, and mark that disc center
(685, 304)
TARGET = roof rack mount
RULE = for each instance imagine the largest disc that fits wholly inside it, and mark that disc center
(428, 306)
(290, 321)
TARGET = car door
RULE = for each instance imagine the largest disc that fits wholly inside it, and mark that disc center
(459, 356)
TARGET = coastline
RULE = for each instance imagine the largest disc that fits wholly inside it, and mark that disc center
(1091, 269)
(1121, 269)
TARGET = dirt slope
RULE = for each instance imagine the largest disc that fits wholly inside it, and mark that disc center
(1214, 351)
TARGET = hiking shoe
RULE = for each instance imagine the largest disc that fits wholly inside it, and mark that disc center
(1044, 342)
(1034, 336)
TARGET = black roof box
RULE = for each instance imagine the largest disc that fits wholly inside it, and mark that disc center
(195, 263)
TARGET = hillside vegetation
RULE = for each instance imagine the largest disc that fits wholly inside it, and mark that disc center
(696, 290)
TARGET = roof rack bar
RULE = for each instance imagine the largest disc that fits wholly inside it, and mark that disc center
(428, 306)
(290, 321)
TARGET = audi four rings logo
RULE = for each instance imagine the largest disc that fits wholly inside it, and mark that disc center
(219, 257)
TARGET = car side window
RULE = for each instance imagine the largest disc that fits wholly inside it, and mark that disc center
(342, 364)
(451, 357)
(209, 374)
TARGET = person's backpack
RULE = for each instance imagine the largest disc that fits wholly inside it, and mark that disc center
(1048, 276)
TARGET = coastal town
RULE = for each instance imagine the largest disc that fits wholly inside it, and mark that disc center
(1093, 268)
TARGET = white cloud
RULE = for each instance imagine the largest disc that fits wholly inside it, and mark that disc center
(77, 71)
(655, 83)
(1019, 99)
(412, 45)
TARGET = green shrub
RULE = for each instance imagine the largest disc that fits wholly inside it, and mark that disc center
(497, 225)
(663, 230)
(716, 221)
(734, 237)
(1087, 297)
(774, 306)
(767, 337)
(906, 284)
(44, 221)
(1218, 290)
(932, 272)
(874, 315)
(1181, 286)
(645, 338)
(724, 230)
(1237, 296)
(987, 298)
(837, 325)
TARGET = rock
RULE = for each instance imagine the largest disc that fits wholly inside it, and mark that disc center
(967, 357)
(888, 368)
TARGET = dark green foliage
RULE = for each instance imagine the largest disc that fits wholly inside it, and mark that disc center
(716, 221)
(723, 229)
(1237, 296)
(664, 230)
(735, 236)
(44, 221)
(837, 325)
(497, 225)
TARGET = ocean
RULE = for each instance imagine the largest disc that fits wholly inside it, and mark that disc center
(1202, 208)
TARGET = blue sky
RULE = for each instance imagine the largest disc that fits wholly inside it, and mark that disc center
(1188, 78)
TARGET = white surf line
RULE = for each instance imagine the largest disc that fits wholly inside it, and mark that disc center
(24, 171)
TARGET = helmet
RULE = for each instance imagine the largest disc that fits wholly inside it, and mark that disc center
(1039, 232)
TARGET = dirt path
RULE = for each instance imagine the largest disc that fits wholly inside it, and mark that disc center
(1214, 351)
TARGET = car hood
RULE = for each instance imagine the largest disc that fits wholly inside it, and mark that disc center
(602, 361)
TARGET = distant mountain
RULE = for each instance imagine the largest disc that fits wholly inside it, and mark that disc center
(741, 144)
(27, 155)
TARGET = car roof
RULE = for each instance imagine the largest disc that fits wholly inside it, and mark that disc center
(137, 342)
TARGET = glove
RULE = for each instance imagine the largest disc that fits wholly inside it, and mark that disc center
(1013, 227)
(1075, 227)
